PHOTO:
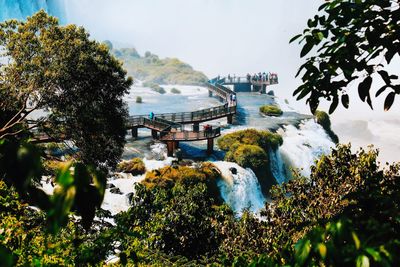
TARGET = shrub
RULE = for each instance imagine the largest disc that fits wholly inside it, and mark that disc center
(155, 87)
(168, 176)
(248, 156)
(139, 99)
(134, 166)
(263, 139)
(323, 119)
(175, 91)
(271, 110)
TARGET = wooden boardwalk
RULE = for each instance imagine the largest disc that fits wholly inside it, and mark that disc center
(169, 127)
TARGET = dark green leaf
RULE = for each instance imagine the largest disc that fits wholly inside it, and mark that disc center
(345, 100)
(307, 47)
(334, 104)
(295, 38)
(389, 100)
(385, 76)
(364, 87)
(381, 90)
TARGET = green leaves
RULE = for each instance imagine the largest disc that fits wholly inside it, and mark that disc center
(307, 47)
(352, 34)
(364, 87)
(345, 100)
(389, 101)
(79, 188)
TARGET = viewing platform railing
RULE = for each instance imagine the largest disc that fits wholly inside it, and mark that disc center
(190, 135)
(182, 117)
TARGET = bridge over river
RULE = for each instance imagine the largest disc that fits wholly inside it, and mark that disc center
(171, 128)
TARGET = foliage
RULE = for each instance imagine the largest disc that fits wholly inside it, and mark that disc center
(340, 184)
(175, 91)
(248, 156)
(108, 44)
(134, 166)
(155, 87)
(324, 120)
(139, 99)
(263, 139)
(151, 68)
(353, 38)
(79, 187)
(271, 110)
(250, 148)
(166, 224)
(338, 244)
(24, 237)
(168, 176)
(51, 67)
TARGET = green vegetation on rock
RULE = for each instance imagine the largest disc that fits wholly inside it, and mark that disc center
(168, 176)
(271, 110)
(134, 166)
(175, 91)
(249, 148)
(150, 68)
(323, 119)
(248, 156)
(263, 139)
(155, 87)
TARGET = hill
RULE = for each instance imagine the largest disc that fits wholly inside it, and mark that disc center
(150, 68)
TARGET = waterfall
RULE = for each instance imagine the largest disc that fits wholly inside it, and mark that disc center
(241, 190)
(277, 165)
(303, 145)
(20, 9)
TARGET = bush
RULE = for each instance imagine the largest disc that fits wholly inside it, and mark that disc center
(155, 87)
(263, 139)
(134, 166)
(323, 119)
(271, 110)
(175, 91)
(248, 156)
(168, 176)
(139, 99)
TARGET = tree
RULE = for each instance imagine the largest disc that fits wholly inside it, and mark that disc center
(79, 85)
(354, 38)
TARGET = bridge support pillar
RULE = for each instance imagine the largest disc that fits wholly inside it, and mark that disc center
(134, 132)
(230, 119)
(210, 94)
(154, 134)
(170, 148)
(210, 146)
(196, 127)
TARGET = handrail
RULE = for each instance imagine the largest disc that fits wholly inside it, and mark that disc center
(182, 117)
(189, 135)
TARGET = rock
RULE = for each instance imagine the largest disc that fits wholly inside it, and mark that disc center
(233, 170)
(271, 92)
(130, 196)
(108, 186)
(115, 190)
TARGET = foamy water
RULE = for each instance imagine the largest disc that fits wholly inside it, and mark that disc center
(242, 190)
(303, 145)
